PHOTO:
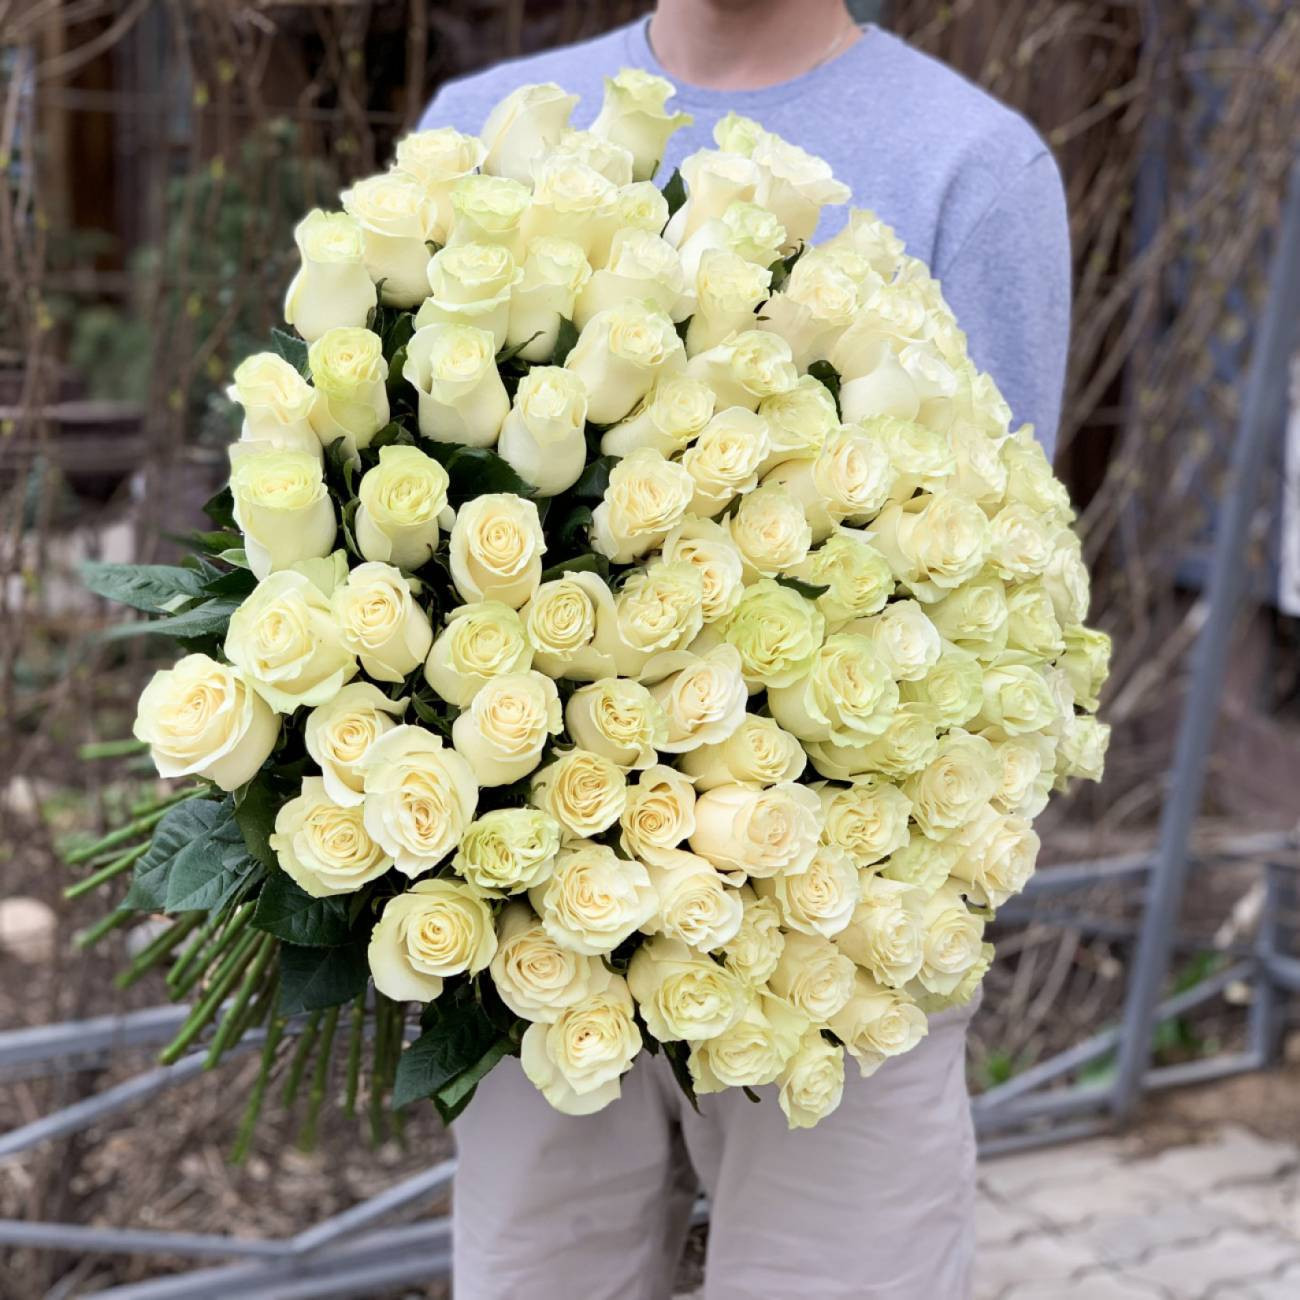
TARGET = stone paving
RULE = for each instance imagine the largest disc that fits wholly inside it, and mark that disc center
(1218, 1219)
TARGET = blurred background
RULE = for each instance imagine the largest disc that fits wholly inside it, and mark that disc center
(156, 155)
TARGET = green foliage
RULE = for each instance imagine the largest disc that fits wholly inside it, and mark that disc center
(828, 375)
(313, 979)
(474, 471)
(295, 917)
(292, 349)
(152, 588)
(809, 590)
(675, 191)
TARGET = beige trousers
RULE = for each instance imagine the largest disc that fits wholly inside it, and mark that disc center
(876, 1201)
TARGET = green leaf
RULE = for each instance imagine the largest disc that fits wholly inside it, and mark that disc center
(292, 349)
(142, 586)
(675, 191)
(238, 583)
(564, 341)
(255, 809)
(207, 871)
(211, 543)
(510, 353)
(782, 267)
(595, 479)
(828, 375)
(395, 330)
(678, 1055)
(572, 533)
(312, 979)
(207, 619)
(808, 589)
(588, 563)
(391, 435)
(176, 832)
(220, 508)
(474, 471)
(294, 916)
(458, 1048)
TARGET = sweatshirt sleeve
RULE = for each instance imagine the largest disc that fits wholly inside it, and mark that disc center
(1009, 284)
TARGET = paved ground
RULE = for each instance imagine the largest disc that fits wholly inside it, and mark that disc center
(1215, 1220)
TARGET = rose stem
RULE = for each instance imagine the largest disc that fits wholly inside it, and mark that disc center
(226, 975)
(105, 925)
(254, 1109)
(147, 806)
(120, 836)
(147, 958)
(105, 874)
(354, 1053)
(225, 1036)
(186, 973)
(306, 1041)
(110, 748)
(320, 1079)
(379, 1071)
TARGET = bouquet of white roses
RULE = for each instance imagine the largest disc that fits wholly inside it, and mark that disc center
(626, 627)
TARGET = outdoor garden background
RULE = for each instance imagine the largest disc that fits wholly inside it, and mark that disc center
(156, 154)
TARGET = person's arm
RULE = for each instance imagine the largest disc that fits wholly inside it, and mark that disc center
(1008, 281)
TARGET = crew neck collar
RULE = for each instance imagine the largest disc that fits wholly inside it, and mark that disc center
(642, 55)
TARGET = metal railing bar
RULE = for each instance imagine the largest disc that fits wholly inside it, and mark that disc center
(37, 1044)
(131, 1241)
(990, 1148)
(1204, 1070)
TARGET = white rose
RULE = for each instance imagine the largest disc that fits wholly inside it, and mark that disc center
(454, 372)
(885, 934)
(523, 127)
(560, 622)
(799, 421)
(795, 185)
(955, 785)
(502, 733)
(667, 420)
(683, 995)
(933, 543)
(477, 643)
(695, 904)
(1020, 542)
(907, 744)
(872, 239)
(848, 695)
(760, 832)
(849, 478)
(277, 404)
(471, 285)
(618, 719)
(659, 814)
(753, 1051)
(621, 354)
(1030, 480)
(770, 527)
(437, 929)
(904, 637)
(640, 266)
(350, 375)
(281, 506)
(997, 858)
(646, 498)
(508, 850)
(819, 899)
(744, 228)
(398, 221)
(754, 950)
(857, 578)
(437, 160)
(285, 640)
(1032, 627)
(704, 702)
(339, 732)
(813, 976)
(812, 1083)
(642, 206)
(332, 286)
(201, 718)
(489, 210)
(922, 863)
(866, 818)
(777, 632)
(954, 938)
(1017, 698)
(724, 459)
(543, 438)
(714, 181)
(576, 1062)
(593, 899)
(633, 115)
(953, 688)
(1086, 664)
(381, 623)
(708, 547)
(536, 977)
(728, 291)
(813, 308)
(572, 200)
(1026, 766)
(656, 614)
(401, 501)
(611, 160)
(974, 617)
(745, 368)
(878, 1023)
(420, 796)
(1066, 580)
(555, 271)
(585, 792)
(496, 549)
(324, 846)
(757, 753)
(1083, 750)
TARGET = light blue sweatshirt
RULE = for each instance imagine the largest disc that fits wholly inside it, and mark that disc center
(967, 184)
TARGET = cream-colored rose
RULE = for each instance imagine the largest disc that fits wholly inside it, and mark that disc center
(723, 461)
(819, 899)
(812, 1083)
(813, 976)
(904, 637)
(398, 222)
(642, 206)
(576, 1061)
(339, 732)
(1020, 542)
(585, 792)
(656, 614)
(857, 578)
(1025, 772)
(754, 950)
(573, 200)
(640, 266)
(922, 863)
(906, 745)
(777, 631)
(381, 623)
(201, 718)
(646, 498)
(744, 228)
(502, 733)
(437, 929)
(402, 500)
(560, 622)
(745, 368)
(980, 474)
(523, 127)
(757, 753)
(735, 133)
(508, 850)
(555, 271)
(714, 181)
(1032, 628)
(814, 307)
(866, 818)
(471, 285)
(1083, 750)
(634, 116)
(728, 290)
(795, 185)
(477, 643)
(877, 1023)
(708, 547)
(695, 904)
(593, 899)
(489, 210)
(659, 814)
(496, 549)
(322, 846)
(760, 832)
(536, 977)
(933, 543)
(847, 696)
(332, 286)
(955, 785)
(611, 160)
(953, 688)
(543, 438)
(277, 404)
(753, 1052)
(682, 994)
(704, 702)
(922, 459)
(1086, 663)
(1017, 698)
(621, 354)
(974, 617)
(454, 372)
(885, 935)
(1066, 580)
(618, 719)
(997, 858)
(437, 159)
(281, 506)
(420, 795)
(1030, 480)
(798, 421)
(284, 639)
(965, 989)
(668, 419)
(954, 938)
(770, 528)
(848, 479)
(872, 239)
(350, 375)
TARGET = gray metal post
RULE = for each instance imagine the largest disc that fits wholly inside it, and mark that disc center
(1261, 417)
